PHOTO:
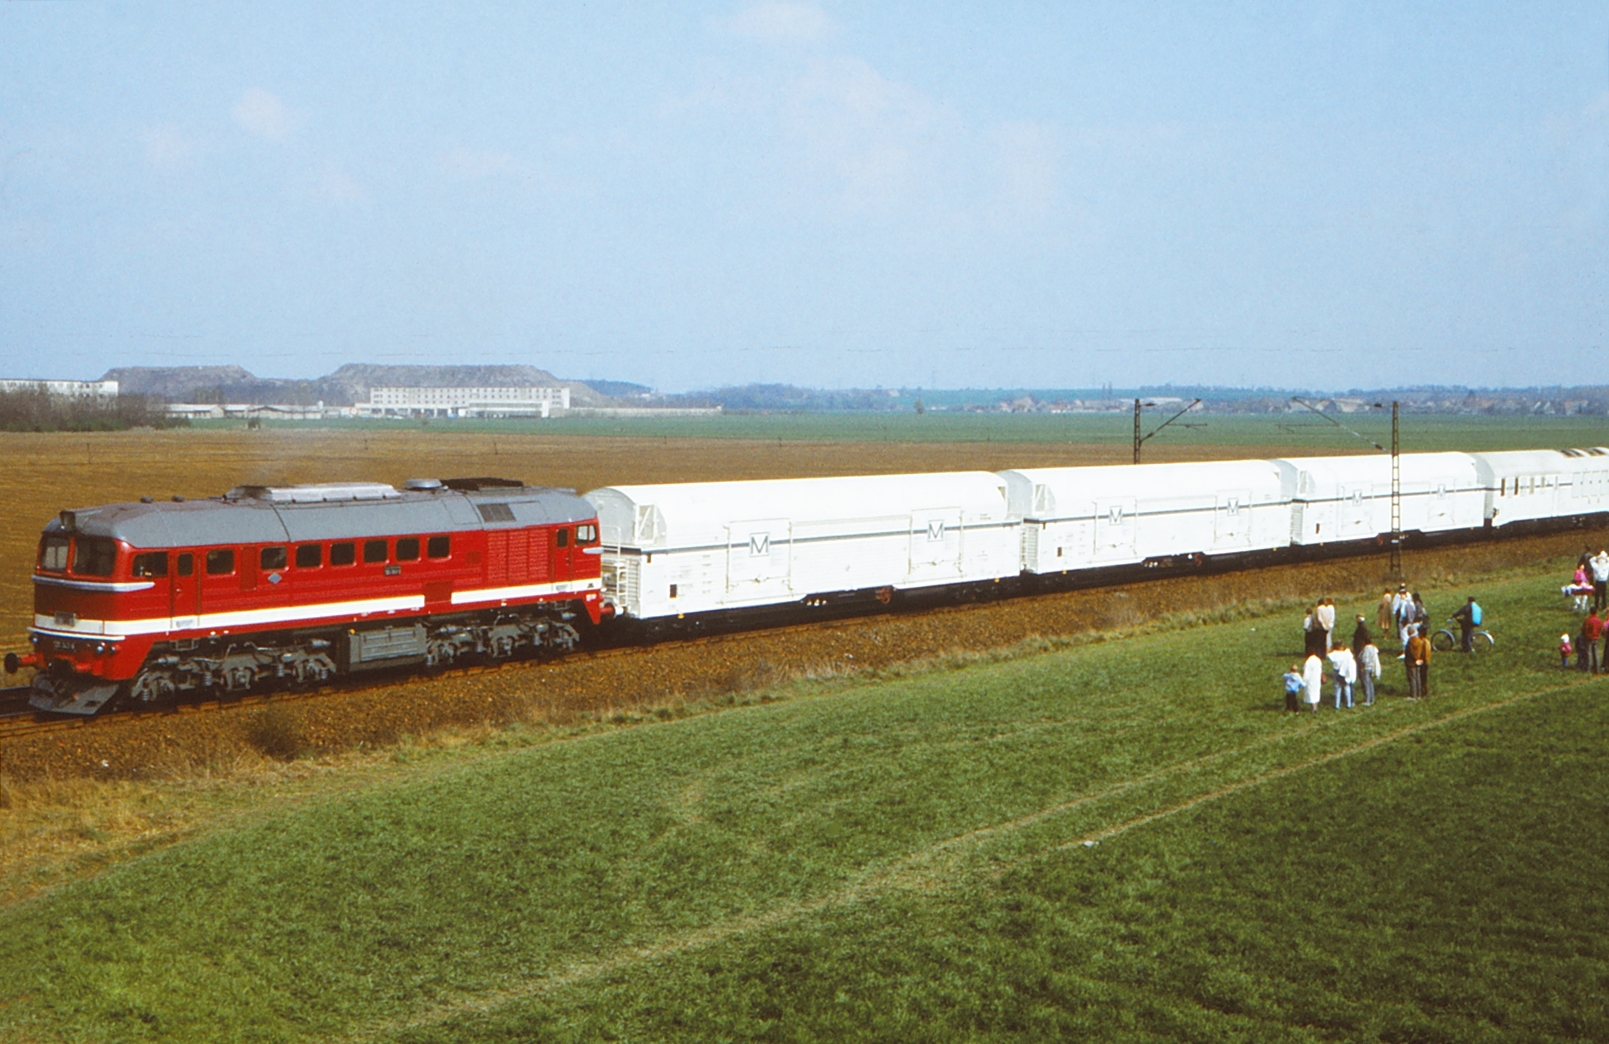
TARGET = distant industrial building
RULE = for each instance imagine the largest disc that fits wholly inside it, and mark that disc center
(464, 402)
(98, 391)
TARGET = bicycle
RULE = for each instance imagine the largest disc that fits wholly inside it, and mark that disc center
(1449, 638)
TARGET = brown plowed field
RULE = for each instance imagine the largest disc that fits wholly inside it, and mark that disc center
(49, 472)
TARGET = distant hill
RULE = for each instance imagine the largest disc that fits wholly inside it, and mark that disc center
(347, 385)
(619, 389)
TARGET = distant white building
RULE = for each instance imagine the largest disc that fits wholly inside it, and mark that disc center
(99, 391)
(464, 402)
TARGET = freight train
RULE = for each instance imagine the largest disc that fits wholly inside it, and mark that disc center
(300, 584)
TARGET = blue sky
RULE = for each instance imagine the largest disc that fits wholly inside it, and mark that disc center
(1303, 195)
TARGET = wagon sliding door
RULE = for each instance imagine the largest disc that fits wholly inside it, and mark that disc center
(1231, 520)
(1116, 530)
(759, 557)
(936, 544)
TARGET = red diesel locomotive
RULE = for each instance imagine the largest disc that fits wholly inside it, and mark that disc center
(299, 584)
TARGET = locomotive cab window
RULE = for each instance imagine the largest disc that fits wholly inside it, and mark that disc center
(94, 556)
(439, 547)
(151, 564)
(186, 564)
(374, 551)
(563, 538)
(586, 534)
(344, 553)
(272, 558)
(309, 556)
(221, 562)
(53, 554)
(407, 549)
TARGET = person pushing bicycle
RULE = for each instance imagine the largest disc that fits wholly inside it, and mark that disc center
(1469, 618)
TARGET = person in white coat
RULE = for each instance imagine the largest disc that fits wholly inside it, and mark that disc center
(1346, 675)
(1313, 678)
(1324, 618)
(1599, 567)
(1368, 671)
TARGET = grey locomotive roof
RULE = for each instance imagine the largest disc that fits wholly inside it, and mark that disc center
(253, 518)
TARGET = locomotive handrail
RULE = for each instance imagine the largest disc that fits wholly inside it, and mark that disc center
(107, 586)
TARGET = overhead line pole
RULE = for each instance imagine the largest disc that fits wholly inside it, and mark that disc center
(1396, 495)
(1139, 440)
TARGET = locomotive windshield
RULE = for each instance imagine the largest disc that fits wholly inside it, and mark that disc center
(94, 556)
(53, 554)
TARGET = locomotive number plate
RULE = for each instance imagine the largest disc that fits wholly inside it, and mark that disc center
(66, 619)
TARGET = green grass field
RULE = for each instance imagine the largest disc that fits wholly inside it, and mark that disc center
(1420, 433)
(1125, 840)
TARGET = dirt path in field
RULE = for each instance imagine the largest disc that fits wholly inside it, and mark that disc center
(944, 865)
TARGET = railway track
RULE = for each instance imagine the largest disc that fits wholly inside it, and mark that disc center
(17, 718)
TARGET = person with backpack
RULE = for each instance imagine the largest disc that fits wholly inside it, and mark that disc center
(1469, 618)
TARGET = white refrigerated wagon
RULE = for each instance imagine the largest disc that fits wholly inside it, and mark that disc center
(1349, 498)
(1090, 517)
(672, 550)
(1530, 485)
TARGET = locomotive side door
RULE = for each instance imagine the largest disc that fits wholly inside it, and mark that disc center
(184, 593)
(563, 546)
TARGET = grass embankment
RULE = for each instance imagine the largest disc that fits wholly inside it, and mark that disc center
(909, 859)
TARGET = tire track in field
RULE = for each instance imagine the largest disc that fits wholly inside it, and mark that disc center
(934, 867)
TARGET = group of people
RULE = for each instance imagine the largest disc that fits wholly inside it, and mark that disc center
(1590, 589)
(1353, 665)
(1358, 664)
(1590, 582)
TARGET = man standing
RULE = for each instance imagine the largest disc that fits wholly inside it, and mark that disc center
(1418, 664)
(1346, 675)
(1361, 635)
(1600, 579)
(1402, 612)
(1591, 630)
(1324, 616)
(1469, 618)
(1383, 614)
